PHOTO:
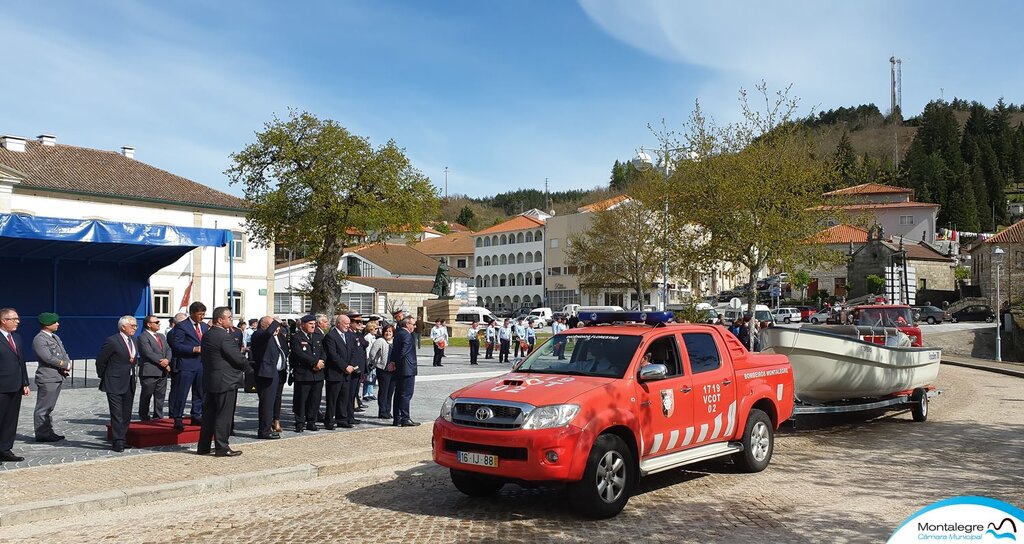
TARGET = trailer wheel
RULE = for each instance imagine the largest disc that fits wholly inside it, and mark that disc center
(475, 485)
(758, 443)
(919, 408)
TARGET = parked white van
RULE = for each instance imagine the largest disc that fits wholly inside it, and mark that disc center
(542, 315)
(570, 309)
(761, 313)
(469, 314)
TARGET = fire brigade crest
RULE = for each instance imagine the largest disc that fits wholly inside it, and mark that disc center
(667, 402)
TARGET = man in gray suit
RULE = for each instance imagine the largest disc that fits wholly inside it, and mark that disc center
(54, 365)
(115, 365)
(154, 366)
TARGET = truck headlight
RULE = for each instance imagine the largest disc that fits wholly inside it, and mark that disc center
(549, 417)
(446, 409)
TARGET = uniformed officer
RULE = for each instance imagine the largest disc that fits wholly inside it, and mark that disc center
(492, 338)
(504, 338)
(307, 361)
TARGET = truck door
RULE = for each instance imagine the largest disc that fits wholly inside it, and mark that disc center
(714, 393)
(665, 405)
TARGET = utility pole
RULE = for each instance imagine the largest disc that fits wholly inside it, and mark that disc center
(547, 196)
(446, 183)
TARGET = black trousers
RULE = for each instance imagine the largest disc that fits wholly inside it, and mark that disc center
(438, 354)
(120, 413)
(515, 347)
(348, 405)
(266, 391)
(282, 378)
(503, 354)
(474, 351)
(385, 392)
(306, 401)
(334, 401)
(154, 389)
(10, 406)
(218, 412)
(490, 351)
(404, 387)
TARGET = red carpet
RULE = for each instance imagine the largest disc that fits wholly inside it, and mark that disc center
(158, 432)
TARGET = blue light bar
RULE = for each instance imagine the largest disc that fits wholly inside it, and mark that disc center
(650, 318)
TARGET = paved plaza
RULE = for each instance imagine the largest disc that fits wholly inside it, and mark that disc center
(852, 478)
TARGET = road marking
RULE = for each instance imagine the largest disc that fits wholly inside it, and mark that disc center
(462, 376)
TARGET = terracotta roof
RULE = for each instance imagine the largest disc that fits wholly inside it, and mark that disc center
(880, 206)
(402, 260)
(1014, 234)
(840, 234)
(519, 222)
(459, 243)
(458, 227)
(80, 170)
(603, 205)
(921, 252)
(869, 189)
(394, 285)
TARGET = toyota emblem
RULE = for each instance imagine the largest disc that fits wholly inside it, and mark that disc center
(484, 413)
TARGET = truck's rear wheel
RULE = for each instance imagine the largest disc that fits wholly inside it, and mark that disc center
(758, 443)
(607, 479)
(475, 485)
(919, 406)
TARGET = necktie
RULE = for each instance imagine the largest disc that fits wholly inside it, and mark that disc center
(159, 342)
(10, 339)
(199, 332)
(131, 347)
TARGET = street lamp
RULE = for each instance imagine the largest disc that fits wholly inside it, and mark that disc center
(643, 159)
(997, 259)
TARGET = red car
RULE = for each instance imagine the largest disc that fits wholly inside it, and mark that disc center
(889, 316)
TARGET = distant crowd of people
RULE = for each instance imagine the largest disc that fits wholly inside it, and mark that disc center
(335, 365)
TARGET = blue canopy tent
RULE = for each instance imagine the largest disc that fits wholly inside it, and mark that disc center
(90, 272)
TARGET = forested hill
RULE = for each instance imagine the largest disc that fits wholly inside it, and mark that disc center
(966, 156)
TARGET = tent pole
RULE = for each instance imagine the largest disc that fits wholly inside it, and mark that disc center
(231, 272)
(213, 298)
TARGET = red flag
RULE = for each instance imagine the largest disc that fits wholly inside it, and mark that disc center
(188, 295)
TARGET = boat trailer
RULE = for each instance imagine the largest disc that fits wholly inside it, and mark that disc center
(917, 399)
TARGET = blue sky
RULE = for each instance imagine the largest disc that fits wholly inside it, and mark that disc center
(505, 94)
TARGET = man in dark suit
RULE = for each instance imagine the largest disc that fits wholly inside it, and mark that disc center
(339, 366)
(270, 358)
(307, 361)
(13, 382)
(115, 366)
(154, 366)
(223, 373)
(323, 326)
(186, 342)
(357, 340)
(403, 354)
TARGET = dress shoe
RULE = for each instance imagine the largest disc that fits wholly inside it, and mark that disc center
(198, 422)
(227, 453)
(385, 416)
(329, 426)
(178, 425)
(345, 425)
(395, 423)
(276, 426)
(410, 423)
(118, 447)
(356, 422)
(312, 427)
(299, 427)
(360, 409)
(271, 436)
(8, 456)
(49, 438)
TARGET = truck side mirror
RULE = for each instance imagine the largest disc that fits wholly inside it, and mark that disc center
(653, 372)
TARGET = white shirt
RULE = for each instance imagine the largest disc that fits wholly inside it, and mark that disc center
(129, 344)
(473, 332)
(437, 334)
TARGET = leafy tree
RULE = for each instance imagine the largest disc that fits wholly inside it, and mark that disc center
(875, 284)
(962, 273)
(466, 217)
(442, 227)
(617, 251)
(307, 181)
(799, 280)
(753, 189)
(846, 161)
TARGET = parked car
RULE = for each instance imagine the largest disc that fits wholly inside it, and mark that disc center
(786, 315)
(542, 315)
(979, 312)
(806, 312)
(726, 296)
(820, 317)
(502, 314)
(930, 315)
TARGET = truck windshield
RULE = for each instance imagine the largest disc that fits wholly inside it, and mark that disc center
(885, 317)
(606, 355)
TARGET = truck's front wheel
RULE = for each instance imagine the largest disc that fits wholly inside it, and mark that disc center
(758, 443)
(607, 480)
(475, 485)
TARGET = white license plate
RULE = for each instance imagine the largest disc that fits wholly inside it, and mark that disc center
(481, 459)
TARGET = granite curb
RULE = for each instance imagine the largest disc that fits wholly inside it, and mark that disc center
(85, 503)
(988, 366)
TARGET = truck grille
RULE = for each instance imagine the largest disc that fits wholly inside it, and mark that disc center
(499, 416)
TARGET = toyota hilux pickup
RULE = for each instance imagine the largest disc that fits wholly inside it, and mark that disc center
(601, 406)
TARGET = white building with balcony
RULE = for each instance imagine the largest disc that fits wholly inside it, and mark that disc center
(509, 262)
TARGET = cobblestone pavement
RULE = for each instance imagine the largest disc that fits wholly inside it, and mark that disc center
(82, 414)
(847, 479)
